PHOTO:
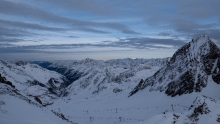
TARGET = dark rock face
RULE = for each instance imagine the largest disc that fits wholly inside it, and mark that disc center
(20, 63)
(38, 100)
(4, 80)
(184, 85)
(188, 70)
(71, 75)
(137, 88)
(216, 72)
(200, 107)
(60, 115)
(59, 91)
(116, 90)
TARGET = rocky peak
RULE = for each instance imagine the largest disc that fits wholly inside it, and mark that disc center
(188, 69)
(21, 63)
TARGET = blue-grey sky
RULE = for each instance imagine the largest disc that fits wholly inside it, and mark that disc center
(102, 29)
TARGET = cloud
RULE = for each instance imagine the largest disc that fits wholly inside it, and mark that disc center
(200, 9)
(57, 21)
(126, 31)
(213, 33)
(18, 50)
(146, 43)
(72, 36)
(93, 30)
(80, 5)
(24, 10)
(194, 10)
(183, 18)
(182, 27)
(13, 35)
(128, 43)
(23, 25)
(165, 34)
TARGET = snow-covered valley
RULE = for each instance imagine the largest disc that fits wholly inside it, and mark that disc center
(120, 91)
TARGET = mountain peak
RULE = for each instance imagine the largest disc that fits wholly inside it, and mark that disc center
(201, 39)
(188, 70)
(204, 36)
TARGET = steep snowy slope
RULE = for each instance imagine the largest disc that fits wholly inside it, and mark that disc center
(188, 70)
(33, 80)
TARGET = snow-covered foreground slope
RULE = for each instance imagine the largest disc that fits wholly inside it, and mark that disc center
(17, 109)
(111, 108)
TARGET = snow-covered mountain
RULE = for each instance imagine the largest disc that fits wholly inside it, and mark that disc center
(32, 80)
(26, 91)
(97, 75)
(188, 70)
(94, 91)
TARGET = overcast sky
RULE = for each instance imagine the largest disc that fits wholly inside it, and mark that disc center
(102, 29)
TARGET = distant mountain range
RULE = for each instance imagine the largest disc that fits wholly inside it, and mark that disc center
(97, 75)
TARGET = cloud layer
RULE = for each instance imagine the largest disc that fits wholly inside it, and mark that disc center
(44, 26)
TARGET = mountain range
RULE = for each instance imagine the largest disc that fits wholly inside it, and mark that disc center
(180, 89)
